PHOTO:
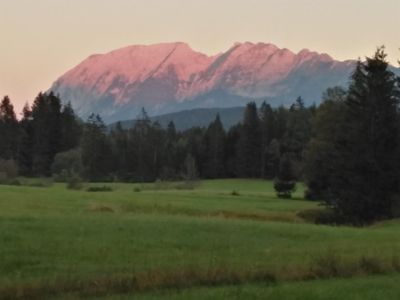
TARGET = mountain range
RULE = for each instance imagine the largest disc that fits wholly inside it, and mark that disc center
(171, 77)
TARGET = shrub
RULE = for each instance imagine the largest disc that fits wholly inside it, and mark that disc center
(371, 265)
(284, 189)
(67, 164)
(319, 216)
(285, 183)
(8, 171)
(103, 188)
(235, 193)
(137, 189)
(328, 265)
(41, 182)
(74, 182)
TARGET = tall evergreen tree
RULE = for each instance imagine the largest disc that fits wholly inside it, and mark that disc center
(297, 134)
(9, 131)
(26, 142)
(267, 120)
(119, 145)
(96, 152)
(46, 122)
(71, 129)
(366, 173)
(231, 148)
(249, 144)
(214, 150)
(171, 161)
(327, 127)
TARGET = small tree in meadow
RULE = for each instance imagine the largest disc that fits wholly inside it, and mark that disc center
(285, 182)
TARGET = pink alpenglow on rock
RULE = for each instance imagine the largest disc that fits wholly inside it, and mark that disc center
(170, 77)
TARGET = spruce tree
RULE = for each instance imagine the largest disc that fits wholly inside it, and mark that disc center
(96, 151)
(71, 129)
(249, 144)
(214, 150)
(267, 120)
(46, 122)
(366, 173)
(9, 131)
(26, 142)
(170, 150)
(297, 134)
(320, 152)
(119, 145)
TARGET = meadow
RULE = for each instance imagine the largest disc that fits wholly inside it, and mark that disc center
(221, 239)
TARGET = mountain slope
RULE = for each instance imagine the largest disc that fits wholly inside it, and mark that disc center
(198, 117)
(171, 77)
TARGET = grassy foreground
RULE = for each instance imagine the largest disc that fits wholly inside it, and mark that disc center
(63, 244)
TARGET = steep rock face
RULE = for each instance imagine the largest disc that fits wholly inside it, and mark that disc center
(170, 77)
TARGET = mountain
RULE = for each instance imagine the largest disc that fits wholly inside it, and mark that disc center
(171, 77)
(198, 117)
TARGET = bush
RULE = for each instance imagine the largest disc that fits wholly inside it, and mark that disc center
(235, 193)
(319, 216)
(40, 182)
(285, 183)
(137, 189)
(100, 189)
(8, 171)
(74, 182)
(67, 164)
(284, 189)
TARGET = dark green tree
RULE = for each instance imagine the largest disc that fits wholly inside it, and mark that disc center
(170, 165)
(9, 130)
(231, 142)
(96, 150)
(26, 142)
(267, 121)
(328, 125)
(297, 134)
(119, 145)
(249, 144)
(214, 150)
(285, 182)
(365, 172)
(47, 130)
(71, 129)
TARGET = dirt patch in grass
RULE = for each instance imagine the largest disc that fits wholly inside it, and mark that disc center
(277, 217)
(98, 208)
(290, 217)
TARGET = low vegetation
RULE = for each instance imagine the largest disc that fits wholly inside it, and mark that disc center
(79, 244)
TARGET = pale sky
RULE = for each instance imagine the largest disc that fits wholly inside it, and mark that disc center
(42, 39)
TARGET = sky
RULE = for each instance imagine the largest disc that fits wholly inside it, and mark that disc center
(42, 39)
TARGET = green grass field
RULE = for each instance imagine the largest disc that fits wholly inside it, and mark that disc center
(204, 243)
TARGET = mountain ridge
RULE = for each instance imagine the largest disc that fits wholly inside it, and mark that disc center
(170, 77)
(189, 118)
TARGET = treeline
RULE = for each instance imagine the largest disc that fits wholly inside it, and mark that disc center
(347, 150)
(50, 138)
